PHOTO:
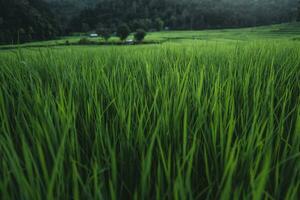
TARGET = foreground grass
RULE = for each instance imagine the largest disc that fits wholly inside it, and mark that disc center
(159, 122)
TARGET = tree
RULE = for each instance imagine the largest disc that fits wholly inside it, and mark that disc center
(18, 19)
(85, 27)
(140, 35)
(194, 14)
(30, 33)
(158, 24)
(99, 25)
(135, 24)
(123, 31)
(298, 17)
(173, 21)
(147, 23)
(105, 33)
(21, 35)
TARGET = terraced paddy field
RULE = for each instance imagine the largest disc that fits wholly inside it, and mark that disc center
(290, 31)
(205, 115)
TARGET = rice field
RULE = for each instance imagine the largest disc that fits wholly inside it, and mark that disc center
(277, 32)
(194, 120)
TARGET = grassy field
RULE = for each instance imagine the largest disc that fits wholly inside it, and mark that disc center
(210, 118)
(290, 31)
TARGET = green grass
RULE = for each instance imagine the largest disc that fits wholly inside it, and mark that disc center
(285, 31)
(204, 119)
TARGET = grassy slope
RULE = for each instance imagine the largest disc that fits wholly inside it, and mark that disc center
(290, 31)
(280, 31)
(206, 120)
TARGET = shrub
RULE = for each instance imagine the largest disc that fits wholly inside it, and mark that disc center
(84, 41)
(105, 33)
(140, 35)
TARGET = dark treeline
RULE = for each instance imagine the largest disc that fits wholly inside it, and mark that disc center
(66, 10)
(184, 14)
(298, 15)
(27, 20)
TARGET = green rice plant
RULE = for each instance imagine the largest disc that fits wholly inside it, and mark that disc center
(208, 120)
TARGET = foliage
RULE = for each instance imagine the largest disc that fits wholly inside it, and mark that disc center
(158, 24)
(210, 120)
(84, 41)
(106, 33)
(298, 17)
(123, 31)
(186, 14)
(26, 20)
(145, 24)
(85, 27)
(140, 35)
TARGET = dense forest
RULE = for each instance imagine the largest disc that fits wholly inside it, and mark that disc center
(26, 20)
(185, 14)
(66, 10)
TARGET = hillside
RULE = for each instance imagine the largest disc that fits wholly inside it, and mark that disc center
(88, 15)
(67, 9)
(279, 32)
(26, 20)
(75, 3)
(184, 15)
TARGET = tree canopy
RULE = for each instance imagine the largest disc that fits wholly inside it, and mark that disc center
(185, 14)
(26, 20)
